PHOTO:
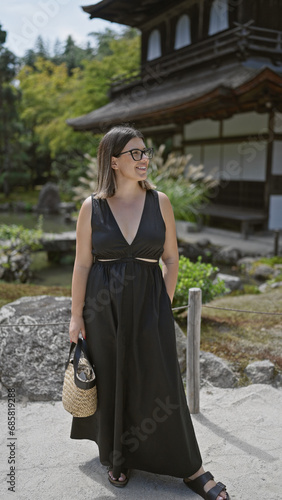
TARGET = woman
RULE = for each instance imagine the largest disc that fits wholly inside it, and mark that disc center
(122, 305)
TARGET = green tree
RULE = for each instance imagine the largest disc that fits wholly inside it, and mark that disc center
(51, 95)
(13, 168)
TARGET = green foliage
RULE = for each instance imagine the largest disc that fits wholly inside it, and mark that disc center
(269, 261)
(197, 275)
(19, 238)
(186, 185)
(17, 243)
(12, 147)
(247, 290)
(55, 90)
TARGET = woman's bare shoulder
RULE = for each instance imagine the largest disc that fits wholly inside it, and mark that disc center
(164, 201)
(85, 209)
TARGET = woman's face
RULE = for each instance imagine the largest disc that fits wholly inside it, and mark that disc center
(125, 166)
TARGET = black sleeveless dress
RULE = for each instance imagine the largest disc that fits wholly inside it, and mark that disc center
(142, 421)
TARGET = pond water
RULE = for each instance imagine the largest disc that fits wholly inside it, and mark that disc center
(51, 273)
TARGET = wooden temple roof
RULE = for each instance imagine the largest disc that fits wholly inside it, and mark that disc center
(219, 94)
(125, 12)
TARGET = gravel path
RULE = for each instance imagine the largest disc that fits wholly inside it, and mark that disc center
(239, 432)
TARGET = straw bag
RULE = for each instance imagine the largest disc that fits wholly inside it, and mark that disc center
(79, 390)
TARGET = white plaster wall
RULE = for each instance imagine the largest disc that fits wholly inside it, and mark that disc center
(246, 123)
(278, 123)
(201, 129)
(211, 159)
(232, 169)
(254, 163)
(196, 153)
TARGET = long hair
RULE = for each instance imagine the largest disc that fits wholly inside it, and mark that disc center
(112, 144)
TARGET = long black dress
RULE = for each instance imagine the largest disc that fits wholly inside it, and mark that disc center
(142, 421)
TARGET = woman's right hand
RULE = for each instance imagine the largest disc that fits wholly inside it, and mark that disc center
(76, 326)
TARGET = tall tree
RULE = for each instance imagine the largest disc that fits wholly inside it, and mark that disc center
(12, 155)
(51, 95)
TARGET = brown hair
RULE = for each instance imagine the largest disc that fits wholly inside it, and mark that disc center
(112, 144)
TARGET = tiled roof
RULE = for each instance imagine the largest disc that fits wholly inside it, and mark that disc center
(172, 96)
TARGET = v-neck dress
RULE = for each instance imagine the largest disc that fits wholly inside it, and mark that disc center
(142, 421)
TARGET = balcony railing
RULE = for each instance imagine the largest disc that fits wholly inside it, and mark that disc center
(242, 40)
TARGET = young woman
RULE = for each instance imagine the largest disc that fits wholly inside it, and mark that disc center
(121, 302)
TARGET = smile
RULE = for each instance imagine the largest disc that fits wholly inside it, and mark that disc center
(142, 168)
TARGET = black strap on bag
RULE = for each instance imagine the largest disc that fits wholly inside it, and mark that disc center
(81, 346)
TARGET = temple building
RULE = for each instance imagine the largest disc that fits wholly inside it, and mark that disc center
(210, 79)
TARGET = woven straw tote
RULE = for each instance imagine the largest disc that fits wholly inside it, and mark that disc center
(79, 389)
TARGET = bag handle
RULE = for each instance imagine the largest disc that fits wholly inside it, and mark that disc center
(81, 346)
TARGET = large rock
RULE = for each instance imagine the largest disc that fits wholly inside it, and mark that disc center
(16, 267)
(49, 199)
(245, 264)
(32, 358)
(216, 371)
(228, 255)
(260, 372)
(263, 272)
(231, 282)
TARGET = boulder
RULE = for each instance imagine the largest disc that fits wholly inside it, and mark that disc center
(16, 267)
(278, 381)
(32, 358)
(260, 372)
(263, 288)
(227, 255)
(263, 272)
(49, 199)
(216, 371)
(231, 282)
(245, 264)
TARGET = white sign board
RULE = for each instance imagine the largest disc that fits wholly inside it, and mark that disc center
(275, 212)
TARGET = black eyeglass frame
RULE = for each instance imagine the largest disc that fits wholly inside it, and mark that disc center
(142, 151)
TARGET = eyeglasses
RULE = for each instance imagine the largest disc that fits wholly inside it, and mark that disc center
(137, 154)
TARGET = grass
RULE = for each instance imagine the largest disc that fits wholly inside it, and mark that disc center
(241, 338)
(11, 291)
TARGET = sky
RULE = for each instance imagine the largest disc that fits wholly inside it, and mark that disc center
(24, 21)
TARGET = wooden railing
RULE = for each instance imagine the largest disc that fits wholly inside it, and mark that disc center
(241, 40)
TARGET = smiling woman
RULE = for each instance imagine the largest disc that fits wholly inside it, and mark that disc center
(122, 305)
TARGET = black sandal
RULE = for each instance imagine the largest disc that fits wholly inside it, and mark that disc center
(116, 482)
(197, 485)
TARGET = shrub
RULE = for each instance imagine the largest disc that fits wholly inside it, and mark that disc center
(17, 243)
(196, 275)
(186, 185)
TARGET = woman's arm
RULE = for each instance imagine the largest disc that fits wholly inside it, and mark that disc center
(82, 265)
(170, 256)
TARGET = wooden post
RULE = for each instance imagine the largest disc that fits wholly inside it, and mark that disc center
(193, 349)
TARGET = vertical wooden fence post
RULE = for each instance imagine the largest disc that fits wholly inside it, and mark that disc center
(193, 349)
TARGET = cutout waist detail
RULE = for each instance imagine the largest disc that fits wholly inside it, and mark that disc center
(124, 259)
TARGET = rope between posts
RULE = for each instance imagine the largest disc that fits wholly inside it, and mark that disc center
(173, 309)
(229, 309)
(35, 324)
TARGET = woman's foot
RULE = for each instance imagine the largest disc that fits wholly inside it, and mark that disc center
(119, 482)
(202, 483)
